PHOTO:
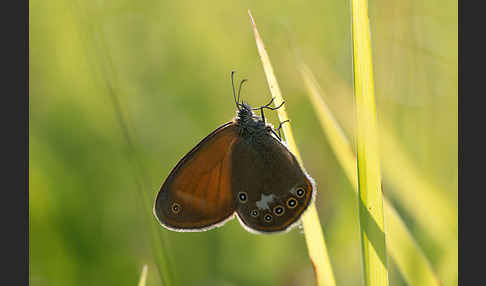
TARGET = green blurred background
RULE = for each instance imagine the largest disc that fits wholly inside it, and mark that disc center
(121, 90)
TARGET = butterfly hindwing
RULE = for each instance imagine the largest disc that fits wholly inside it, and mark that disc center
(197, 194)
(277, 189)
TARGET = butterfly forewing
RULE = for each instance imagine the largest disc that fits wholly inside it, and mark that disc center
(197, 194)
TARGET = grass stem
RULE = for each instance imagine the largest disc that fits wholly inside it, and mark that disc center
(143, 276)
(314, 236)
(370, 198)
(412, 263)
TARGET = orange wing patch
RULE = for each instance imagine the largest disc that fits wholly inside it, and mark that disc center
(200, 184)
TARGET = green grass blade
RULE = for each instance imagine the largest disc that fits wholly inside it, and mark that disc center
(373, 242)
(420, 197)
(143, 276)
(338, 141)
(314, 236)
(416, 193)
(98, 55)
(425, 202)
(412, 263)
(426, 198)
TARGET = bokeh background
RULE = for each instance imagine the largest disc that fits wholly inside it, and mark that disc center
(121, 90)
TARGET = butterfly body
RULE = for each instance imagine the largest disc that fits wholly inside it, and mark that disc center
(241, 169)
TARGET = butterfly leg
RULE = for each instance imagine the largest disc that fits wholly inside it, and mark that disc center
(276, 135)
(273, 108)
(279, 136)
(280, 127)
(267, 106)
(264, 106)
(263, 114)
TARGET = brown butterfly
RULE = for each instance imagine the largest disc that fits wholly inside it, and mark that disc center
(242, 168)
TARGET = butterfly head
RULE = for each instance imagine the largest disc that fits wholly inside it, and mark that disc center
(251, 126)
(245, 113)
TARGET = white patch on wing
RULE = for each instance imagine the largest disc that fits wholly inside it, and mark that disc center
(264, 201)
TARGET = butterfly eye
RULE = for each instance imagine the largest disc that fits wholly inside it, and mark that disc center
(278, 210)
(254, 213)
(176, 208)
(243, 197)
(268, 218)
(291, 203)
(300, 192)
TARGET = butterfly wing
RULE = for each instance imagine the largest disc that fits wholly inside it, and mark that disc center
(278, 190)
(197, 196)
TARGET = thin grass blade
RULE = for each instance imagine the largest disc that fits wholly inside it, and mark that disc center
(411, 262)
(314, 236)
(372, 221)
(102, 68)
(420, 197)
(143, 276)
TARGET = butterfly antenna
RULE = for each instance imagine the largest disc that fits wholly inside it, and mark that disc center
(234, 90)
(239, 89)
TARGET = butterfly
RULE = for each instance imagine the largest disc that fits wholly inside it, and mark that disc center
(242, 169)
